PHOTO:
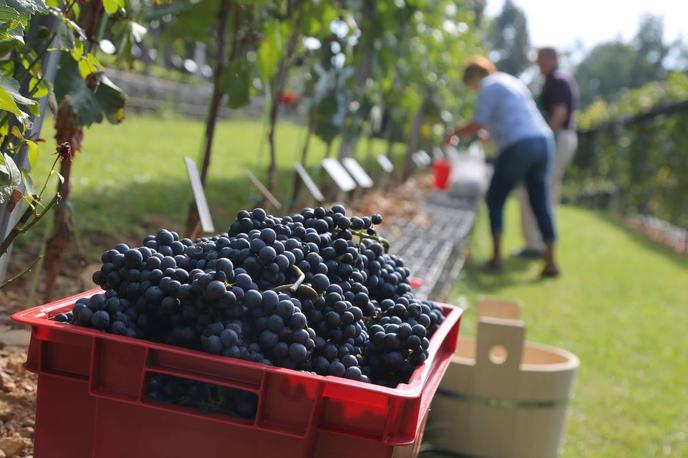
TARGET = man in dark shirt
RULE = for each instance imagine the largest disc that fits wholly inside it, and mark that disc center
(558, 100)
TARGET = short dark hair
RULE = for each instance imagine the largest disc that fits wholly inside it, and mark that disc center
(549, 52)
(477, 67)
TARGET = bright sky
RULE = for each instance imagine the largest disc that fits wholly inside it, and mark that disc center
(561, 23)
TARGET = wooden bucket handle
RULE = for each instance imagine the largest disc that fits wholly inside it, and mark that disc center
(499, 344)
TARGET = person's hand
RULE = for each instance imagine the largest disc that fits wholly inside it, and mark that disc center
(451, 140)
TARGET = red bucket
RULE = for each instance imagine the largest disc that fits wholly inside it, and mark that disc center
(441, 170)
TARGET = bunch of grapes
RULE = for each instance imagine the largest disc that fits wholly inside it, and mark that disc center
(312, 291)
(205, 397)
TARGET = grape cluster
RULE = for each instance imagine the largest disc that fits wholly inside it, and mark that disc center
(312, 291)
(399, 340)
(206, 397)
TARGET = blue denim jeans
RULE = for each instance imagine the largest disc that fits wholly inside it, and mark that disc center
(528, 160)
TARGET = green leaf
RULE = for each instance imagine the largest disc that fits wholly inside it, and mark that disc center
(33, 153)
(236, 83)
(29, 6)
(271, 48)
(317, 16)
(112, 6)
(64, 37)
(88, 65)
(17, 133)
(107, 101)
(28, 185)
(12, 87)
(12, 31)
(111, 100)
(328, 124)
(78, 50)
(10, 171)
(10, 97)
(75, 28)
(39, 87)
(189, 19)
(8, 14)
(15, 16)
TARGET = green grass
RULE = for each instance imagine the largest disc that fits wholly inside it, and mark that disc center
(130, 179)
(622, 307)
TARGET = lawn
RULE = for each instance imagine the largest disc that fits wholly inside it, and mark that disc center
(130, 179)
(622, 307)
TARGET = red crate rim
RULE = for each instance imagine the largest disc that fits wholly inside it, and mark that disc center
(37, 317)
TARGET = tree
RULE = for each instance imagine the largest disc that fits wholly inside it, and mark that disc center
(650, 51)
(509, 39)
(610, 67)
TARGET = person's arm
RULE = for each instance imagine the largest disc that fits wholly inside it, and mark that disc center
(469, 130)
(484, 106)
(557, 117)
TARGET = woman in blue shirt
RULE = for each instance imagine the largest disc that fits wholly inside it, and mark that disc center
(505, 108)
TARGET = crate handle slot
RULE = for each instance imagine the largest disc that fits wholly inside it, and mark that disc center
(198, 397)
(204, 367)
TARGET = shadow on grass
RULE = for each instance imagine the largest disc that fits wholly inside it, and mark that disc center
(490, 282)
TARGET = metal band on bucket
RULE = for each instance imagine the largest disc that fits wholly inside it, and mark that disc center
(503, 403)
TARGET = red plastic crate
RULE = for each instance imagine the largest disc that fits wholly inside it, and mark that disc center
(92, 400)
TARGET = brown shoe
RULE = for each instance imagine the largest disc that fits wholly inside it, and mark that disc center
(550, 271)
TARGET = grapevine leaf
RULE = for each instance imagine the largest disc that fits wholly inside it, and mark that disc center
(17, 133)
(28, 186)
(8, 14)
(33, 153)
(39, 87)
(271, 48)
(10, 177)
(111, 99)
(236, 83)
(78, 50)
(64, 38)
(11, 86)
(28, 7)
(12, 32)
(7, 103)
(106, 100)
(75, 28)
(112, 6)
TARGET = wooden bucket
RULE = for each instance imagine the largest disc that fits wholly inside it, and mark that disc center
(502, 396)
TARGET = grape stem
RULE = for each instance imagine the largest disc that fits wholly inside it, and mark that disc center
(298, 285)
(294, 286)
(299, 280)
(362, 235)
